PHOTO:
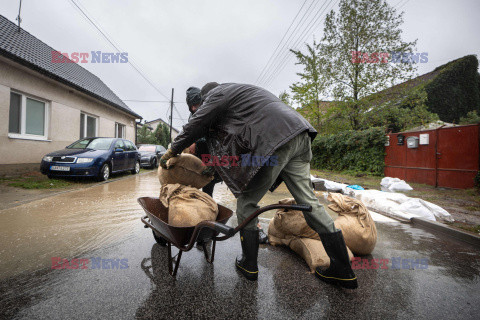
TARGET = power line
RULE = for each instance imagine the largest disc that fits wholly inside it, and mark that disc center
(301, 37)
(289, 37)
(401, 6)
(298, 38)
(116, 47)
(274, 51)
(178, 113)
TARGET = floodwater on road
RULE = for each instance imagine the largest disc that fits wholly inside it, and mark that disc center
(103, 221)
(70, 224)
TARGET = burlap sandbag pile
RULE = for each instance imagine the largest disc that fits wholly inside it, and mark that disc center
(187, 205)
(185, 169)
(289, 228)
(355, 222)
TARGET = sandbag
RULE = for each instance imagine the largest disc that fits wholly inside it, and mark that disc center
(313, 252)
(185, 169)
(354, 220)
(187, 206)
(277, 238)
(289, 228)
(292, 222)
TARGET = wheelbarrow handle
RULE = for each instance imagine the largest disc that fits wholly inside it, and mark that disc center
(147, 223)
(223, 228)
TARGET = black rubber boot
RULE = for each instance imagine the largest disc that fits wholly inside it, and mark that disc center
(247, 262)
(340, 271)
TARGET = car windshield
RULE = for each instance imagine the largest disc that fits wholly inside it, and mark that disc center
(95, 143)
(147, 148)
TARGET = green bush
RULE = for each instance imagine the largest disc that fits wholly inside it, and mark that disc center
(355, 151)
(456, 90)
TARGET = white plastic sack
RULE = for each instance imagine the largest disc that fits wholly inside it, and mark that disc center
(395, 184)
(399, 205)
(331, 186)
(425, 209)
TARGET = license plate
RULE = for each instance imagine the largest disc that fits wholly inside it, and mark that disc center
(60, 168)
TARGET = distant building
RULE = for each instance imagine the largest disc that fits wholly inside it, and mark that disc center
(154, 123)
(45, 106)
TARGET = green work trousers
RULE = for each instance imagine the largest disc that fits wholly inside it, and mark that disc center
(294, 168)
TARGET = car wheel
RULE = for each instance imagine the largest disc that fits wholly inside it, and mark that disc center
(154, 163)
(49, 176)
(104, 173)
(137, 168)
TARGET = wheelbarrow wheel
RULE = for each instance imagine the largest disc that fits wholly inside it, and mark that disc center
(161, 241)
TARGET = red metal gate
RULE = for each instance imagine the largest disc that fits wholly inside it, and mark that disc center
(449, 159)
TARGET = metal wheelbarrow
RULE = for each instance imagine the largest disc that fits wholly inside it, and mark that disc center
(184, 238)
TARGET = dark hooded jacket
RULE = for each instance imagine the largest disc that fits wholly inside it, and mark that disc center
(241, 119)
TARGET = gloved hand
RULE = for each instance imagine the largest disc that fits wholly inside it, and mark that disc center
(208, 171)
(167, 156)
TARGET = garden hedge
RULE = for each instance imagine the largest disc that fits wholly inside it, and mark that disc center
(357, 151)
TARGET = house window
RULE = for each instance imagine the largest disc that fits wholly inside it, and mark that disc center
(120, 130)
(88, 126)
(27, 118)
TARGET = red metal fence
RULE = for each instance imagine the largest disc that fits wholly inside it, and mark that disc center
(450, 157)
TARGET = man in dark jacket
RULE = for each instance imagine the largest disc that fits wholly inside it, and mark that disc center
(258, 139)
(194, 100)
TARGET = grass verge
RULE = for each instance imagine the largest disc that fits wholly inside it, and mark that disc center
(36, 180)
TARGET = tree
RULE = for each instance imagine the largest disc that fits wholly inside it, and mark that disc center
(285, 97)
(145, 136)
(162, 134)
(312, 85)
(396, 116)
(369, 27)
(471, 118)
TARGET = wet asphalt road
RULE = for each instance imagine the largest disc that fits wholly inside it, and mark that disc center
(103, 223)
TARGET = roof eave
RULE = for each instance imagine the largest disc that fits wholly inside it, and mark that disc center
(62, 80)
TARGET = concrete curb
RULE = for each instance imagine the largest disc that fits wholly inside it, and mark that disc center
(449, 231)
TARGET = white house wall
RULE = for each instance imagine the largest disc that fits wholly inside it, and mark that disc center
(65, 106)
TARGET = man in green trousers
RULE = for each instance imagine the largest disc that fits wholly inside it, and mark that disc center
(262, 140)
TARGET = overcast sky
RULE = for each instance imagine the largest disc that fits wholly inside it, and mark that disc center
(177, 44)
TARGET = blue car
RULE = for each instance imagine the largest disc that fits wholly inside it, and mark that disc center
(92, 157)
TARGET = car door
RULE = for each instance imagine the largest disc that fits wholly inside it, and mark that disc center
(131, 154)
(160, 152)
(119, 158)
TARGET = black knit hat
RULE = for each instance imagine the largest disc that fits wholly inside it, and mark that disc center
(193, 97)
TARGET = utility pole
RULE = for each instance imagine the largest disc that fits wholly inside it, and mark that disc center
(171, 119)
(19, 18)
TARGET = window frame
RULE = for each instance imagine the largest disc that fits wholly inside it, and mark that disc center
(124, 131)
(85, 124)
(23, 118)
